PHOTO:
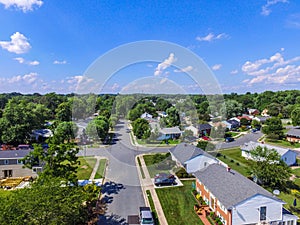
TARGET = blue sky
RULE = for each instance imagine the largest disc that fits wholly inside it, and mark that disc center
(48, 46)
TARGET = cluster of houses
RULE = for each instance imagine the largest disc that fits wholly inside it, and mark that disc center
(235, 199)
(11, 164)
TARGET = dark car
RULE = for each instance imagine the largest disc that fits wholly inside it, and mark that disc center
(229, 139)
(164, 179)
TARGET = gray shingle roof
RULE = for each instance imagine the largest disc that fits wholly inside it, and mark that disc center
(13, 154)
(204, 126)
(249, 146)
(230, 188)
(183, 152)
(294, 132)
(171, 130)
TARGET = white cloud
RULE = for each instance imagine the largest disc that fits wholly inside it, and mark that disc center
(265, 9)
(211, 36)
(115, 87)
(27, 79)
(60, 62)
(234, 72)
(23, 61)
(184, 70)
(24, 5)
(216, 67)
(18, 44)
(272, 70)
(165, 64)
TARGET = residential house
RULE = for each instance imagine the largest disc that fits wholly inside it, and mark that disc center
(293, 135)
(261, 119)
(11, 165)
(248, 118)
(236, 200)
(253, 112)
(169, 133)
(265, 112)
(191, 158)
(193, 129)
(204, 129)
(233, 124)
(146, 116)
(288, 156)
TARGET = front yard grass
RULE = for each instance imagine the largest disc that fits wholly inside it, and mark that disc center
(282, 143)
(178, 204)
(158, 163)
(101, 169)
(85, 168)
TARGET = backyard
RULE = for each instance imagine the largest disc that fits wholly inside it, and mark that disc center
(178, 204)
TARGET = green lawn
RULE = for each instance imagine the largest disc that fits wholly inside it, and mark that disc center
(101, 169)
(178, 204)
(283, 143)
(296, 172)
(86, 167)
(232, 157)
(156, 164)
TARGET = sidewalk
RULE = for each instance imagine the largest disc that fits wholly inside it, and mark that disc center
(147, 184)
(93, 174)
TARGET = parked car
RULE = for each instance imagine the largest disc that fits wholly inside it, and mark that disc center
(164, 179)
(229, 139)
(206, 138)
(146, 216)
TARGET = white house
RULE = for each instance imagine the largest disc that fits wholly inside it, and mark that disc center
(238, 200)
(191, 157)
(288, 156)
(193, 129)
(146, 116)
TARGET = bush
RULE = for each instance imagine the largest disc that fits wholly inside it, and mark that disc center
(237, 163)
(218, 154)
(232, 160)
(224, 156)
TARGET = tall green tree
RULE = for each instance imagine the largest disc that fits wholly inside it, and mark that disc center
(172, 119)
(19, 118)
(98, 128)
(273, 128)
(295, 116)
(66, 131)
(59, 160)
(141, 128)
(269, 169)
(47, 202)
(64, 112)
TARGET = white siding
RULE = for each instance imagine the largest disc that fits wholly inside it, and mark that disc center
(248, 212)
(198, 163)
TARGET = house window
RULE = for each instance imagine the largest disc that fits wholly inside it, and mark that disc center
(6, 162)
(19, 161)
(263, 213)
(285, 159)
(205, 164)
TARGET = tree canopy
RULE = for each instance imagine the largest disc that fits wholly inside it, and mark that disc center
(269, 169)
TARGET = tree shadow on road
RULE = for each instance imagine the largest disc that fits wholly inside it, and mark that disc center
(111, 220)
(111, 188)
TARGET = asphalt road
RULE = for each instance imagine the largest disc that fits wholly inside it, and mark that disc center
(240, 141)
(122, 190)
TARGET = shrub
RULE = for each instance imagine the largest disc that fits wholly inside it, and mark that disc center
(224, 156)
(232, 160)
(237, 163)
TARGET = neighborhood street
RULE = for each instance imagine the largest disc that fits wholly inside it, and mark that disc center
(122, 190)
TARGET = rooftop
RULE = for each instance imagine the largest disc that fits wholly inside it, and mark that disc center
(249, 146)
(230, 188)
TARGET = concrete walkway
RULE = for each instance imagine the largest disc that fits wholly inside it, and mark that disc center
(146, 184)
(93, 174)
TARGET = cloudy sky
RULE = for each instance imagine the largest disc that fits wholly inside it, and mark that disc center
(48, 46)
